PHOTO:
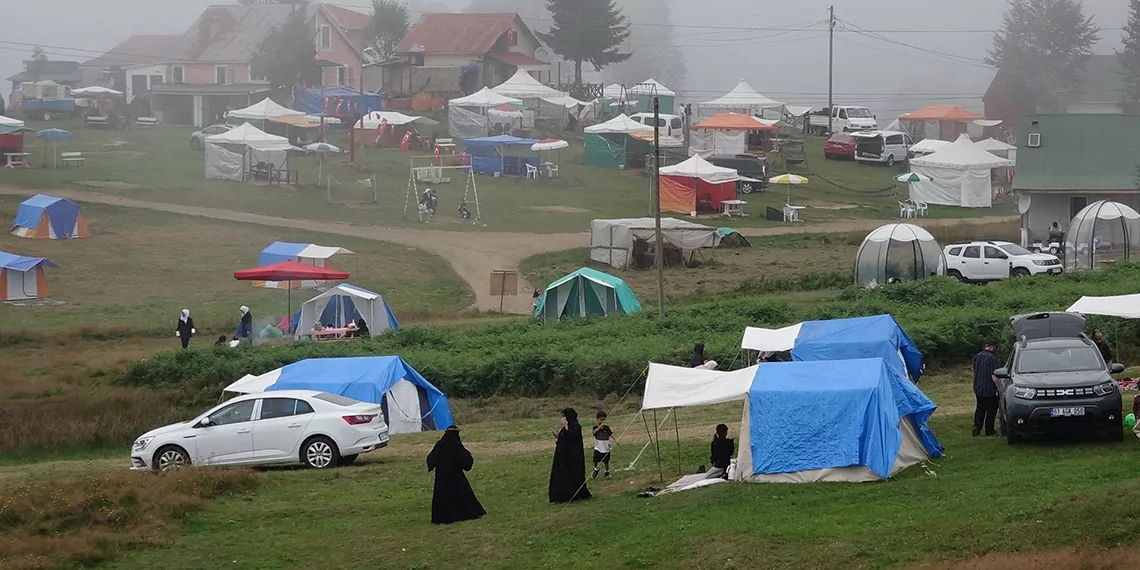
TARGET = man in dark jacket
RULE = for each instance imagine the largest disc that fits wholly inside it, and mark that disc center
(985, 388)
(1102, 346)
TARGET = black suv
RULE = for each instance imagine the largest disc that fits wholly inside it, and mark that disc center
(1056, 378)
(747, 165)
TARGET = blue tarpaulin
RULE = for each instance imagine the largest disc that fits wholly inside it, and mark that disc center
(863, 337)
(500, 140)
(62, 214)
(22, 263)
(279, 251)
(313, 101)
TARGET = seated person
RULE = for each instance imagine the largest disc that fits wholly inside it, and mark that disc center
(361, 328)
(720, 457)
(1055, 232)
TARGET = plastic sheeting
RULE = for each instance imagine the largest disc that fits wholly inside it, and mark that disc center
(606, 151)
(679, 387)
(1124, 306)
(611, 241)
(953, 187)
(705, 142)
(898, 251)
(222, 164)
(467, 124)
(1102, 231)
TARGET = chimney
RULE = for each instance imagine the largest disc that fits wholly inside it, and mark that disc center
(1034, 135)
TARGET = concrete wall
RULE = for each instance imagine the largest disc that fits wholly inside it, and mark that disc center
(1048, 207)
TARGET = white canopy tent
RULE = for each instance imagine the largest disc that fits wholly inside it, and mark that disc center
(94, 91)
(698, 167)
(652, 87)
(264, 110)
(999, 148)
(960, 173)
(230, 155)
(612, 241)
(742, 99)
(523, 85)
(10, 122)
(468, 118)
(373, 120)
(484, 98)
(620, 124)
(927, 146)
(1124, 306)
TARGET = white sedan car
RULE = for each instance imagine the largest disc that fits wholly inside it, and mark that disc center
(315, 429)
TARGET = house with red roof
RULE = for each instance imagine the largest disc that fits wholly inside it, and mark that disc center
(459, 53)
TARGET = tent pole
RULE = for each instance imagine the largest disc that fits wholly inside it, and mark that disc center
(289, 305)
(657, 446)
(677, 431)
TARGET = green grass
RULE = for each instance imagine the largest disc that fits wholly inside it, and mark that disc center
(984, 496)
(140, 268)
(159, 165)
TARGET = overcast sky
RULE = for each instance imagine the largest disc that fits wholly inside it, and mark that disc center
(786, 60)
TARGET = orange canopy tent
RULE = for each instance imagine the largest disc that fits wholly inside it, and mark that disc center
(735, 122)
(951, 119)
(727, 133)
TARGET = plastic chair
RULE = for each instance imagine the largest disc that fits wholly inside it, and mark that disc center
(920, 208)
(552, 170)
(532, 171)
(906, 210)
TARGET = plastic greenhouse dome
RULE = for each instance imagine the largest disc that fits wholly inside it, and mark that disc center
(1102, 232)
(898, 252)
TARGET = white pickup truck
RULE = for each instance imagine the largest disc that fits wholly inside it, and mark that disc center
(977, 261)
(843, 119)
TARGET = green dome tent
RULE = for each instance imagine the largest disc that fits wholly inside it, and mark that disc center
(586, 292)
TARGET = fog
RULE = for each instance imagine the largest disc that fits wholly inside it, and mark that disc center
(784, 56)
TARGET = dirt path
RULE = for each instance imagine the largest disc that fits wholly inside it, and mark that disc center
(473, 255)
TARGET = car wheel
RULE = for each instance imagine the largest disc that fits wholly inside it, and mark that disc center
(1021, 272)
(956, 275)
(194, 144)
(347, 460)
(891, 160)
(170, 458)
(1012, 436)
(746, 188)
(320, 453)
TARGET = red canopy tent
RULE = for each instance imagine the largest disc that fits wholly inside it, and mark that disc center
(290, 271)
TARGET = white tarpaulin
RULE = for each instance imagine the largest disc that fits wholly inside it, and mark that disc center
(483, 99)
(1125, 306)
(264, 110)
(251, 136)
(743, 99)
(467, 124)
(697, 167)
(675, 386)
(707, 142)
(373, 120)
(611, 241)
(960, 173)
(222, 164)
(770, 340)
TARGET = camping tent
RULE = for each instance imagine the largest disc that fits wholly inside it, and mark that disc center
(230, 155)
(608, 143)
(725, 133)
(730, 238)
(927, 146)
(742, 99)
(263, 111)
(898, 251)
(999, 148)
(838, 339)
(641, 95)
(945, 122)
(48, 217)
(11, 135)
(23, 277)
(619, 242)
(467, 116)
(811, 421)
(1102, 232)
(411, 404)
(960, 173)
(306, 253)
(586, 293)
(696, 185)
(345, 304)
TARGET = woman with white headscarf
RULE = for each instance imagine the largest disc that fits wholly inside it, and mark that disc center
(245, 327)
(185, 328)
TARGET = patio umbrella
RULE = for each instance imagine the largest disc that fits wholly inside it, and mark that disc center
(322, 148)
(290, 271)
(53, 135)
(550, 144)
(912, 177)
(789, 180)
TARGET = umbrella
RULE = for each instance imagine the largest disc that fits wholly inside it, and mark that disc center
(912, 177)
(290, 271)
(95, 90)
(323, 148)
(790, 180)
(549, 144)
(53, 135)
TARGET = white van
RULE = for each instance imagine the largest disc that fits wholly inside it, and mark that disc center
(667, 125)
(882, 147)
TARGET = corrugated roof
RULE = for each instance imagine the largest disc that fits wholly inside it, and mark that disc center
(58, 71)
(350, 19)
(140, 50)
(457, 33)
(1078, 153)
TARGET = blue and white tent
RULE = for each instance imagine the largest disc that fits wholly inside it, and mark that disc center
(346, 304)
(841, 339)
(307, 253)
(810, 421)
(411, 404)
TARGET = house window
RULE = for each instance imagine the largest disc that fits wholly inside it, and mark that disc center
(325, 37)
(220, 75)
(341, 75)
(255, 77)
(155, 80)
(178, 74)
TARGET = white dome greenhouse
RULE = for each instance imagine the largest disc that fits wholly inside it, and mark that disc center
(898, 252)
(1102, 232)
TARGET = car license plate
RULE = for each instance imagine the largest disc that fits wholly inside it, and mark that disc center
(1055, 270)
(1066, 412)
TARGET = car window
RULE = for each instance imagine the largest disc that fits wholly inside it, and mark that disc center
(215, 130)
(843, 113)
(1014, 249)
(995, 253)
(955, 251)
(860, 113)
(277, 408)
(973, 251)
(233, 414)
(636, 119)
(303, 407)
(906, 139)
(1069, 359)
(676, 122)
(895, 139)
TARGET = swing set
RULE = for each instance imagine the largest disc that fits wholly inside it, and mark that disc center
(431, 169)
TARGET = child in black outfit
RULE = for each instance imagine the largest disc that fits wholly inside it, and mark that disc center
(602, 436)
(720, 455)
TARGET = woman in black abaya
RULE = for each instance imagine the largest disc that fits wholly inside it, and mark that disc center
(568, 473)
(453, 500)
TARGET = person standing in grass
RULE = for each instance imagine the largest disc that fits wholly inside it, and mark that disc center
(602, 440)
(985, 388)
(185, 328)
(1102, 346)
(568, 471)
(245, 327)
(452, 499)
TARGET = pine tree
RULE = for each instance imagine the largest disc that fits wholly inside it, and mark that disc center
(1130, 58)
(390, 24)
(587, 31)
(1042, 47)
(287, 56)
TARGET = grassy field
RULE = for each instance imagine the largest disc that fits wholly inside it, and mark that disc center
(983, 497)
(159, 165)
(140, 268)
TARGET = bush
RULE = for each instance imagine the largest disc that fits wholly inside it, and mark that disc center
(948, 320)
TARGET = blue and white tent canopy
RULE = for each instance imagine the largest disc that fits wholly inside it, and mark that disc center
(411, 404)
(308, 253)
(840, 339)
(346, 304)
(828, 420)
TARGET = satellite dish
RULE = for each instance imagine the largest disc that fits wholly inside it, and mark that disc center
(1023, 203)
(370, 56)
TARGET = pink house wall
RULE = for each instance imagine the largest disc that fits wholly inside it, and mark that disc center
(341, 52)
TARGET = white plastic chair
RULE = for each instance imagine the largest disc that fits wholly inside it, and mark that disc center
(532, 171)
(552, 170)
(920, 208)
(906, 210)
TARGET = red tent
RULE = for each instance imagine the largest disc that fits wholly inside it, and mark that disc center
(290, 271)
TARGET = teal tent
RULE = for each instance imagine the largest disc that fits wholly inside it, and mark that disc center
(732, 238)
(586, 292)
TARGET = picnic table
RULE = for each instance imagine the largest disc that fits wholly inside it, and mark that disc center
(733, 208)
(16, 159)
(328, 334)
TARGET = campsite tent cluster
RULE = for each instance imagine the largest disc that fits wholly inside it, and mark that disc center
(22, 278)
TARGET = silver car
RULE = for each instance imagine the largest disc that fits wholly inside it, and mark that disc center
(198, 139)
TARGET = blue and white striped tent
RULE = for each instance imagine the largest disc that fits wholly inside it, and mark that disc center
(307, 253)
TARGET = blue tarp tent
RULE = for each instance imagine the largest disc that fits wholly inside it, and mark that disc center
(488, 155)
(308, 253)
(48, 217)
(841, 339)
(325, 101)
(410, 403)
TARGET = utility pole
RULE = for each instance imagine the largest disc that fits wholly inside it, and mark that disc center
(659, 253)
(830, 67)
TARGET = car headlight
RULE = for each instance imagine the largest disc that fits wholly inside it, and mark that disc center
(1104, 389)
(1042, 262)
(1025, 393)
(141, 443)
